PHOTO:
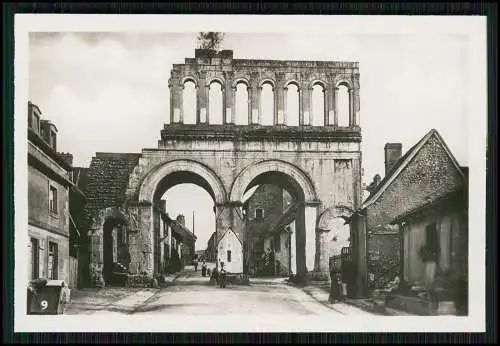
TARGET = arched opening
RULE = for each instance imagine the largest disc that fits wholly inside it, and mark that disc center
(275, 223)
(116, 256)
(292, 105)
(267, 104)
(183, 222)
(189, 102)
(241, 103)
(343, 105)
(318, 105)
(216, 103)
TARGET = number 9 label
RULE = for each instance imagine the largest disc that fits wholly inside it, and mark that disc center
(44, 305)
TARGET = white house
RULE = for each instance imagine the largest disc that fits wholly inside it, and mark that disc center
(230, 251)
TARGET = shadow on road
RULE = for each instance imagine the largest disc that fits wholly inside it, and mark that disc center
(160, 307)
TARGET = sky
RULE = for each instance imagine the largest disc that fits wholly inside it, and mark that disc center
(108, 92)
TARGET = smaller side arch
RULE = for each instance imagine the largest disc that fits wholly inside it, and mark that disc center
(332, 213)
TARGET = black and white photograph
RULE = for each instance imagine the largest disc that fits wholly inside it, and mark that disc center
(250, 173)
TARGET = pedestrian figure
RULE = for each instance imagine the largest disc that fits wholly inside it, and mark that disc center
(203, 269)
(222, 276)
(208, 272)
(335, 282)
(215, 276)
(195, 262)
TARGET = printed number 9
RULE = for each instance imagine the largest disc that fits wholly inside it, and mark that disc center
(44, 304)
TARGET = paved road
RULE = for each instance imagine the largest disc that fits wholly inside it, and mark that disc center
(192, 294)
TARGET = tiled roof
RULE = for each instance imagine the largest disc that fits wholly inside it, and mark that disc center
(107, 180)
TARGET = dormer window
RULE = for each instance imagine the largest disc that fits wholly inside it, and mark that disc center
(259, 213)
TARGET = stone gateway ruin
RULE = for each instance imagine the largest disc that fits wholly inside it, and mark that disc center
(234, 124)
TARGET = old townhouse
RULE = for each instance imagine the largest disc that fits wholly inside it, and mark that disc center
(416, 219)
(51, 227)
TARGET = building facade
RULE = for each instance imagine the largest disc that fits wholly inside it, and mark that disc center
(49, 183)
(421, 200)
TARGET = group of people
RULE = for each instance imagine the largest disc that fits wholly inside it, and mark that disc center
(217, 276)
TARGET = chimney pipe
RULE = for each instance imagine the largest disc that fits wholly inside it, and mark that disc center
(393, 153)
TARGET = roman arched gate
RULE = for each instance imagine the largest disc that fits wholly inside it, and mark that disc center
(307, 149)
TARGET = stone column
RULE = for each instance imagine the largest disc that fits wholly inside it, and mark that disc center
(285, 110)
(306, 106)
(202, 93)
(301, 106)
(358, 235)
(356, 107)
(280, 116)
(171, 94)
(229, 95)
(326, 106)
(177, 105)
(255, 105)
(351, 107)
(336, 106)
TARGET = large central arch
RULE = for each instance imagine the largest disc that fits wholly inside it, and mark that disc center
(287, 175)
(244, 179)
(151, 181)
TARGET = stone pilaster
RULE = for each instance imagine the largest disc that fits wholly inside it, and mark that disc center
(326, 106)
(351, 107)
(202, 93)
(177, 102)
(279, 114)
(336, 106)
(306, 106)
(229, 95)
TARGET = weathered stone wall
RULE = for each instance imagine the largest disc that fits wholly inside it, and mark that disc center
(429, 175)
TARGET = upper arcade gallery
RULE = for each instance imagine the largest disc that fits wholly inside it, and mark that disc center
(214, 88)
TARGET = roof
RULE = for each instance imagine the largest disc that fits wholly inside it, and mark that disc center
(224, 234)
(107, 180)
(177, 227)
(38, 141)
(398, 167)
(80, 175)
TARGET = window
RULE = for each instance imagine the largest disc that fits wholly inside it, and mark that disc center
(228, 256)
(53, 199)
(259, 213)
(36, 122)
(30, 120)
(53, 142)
(35, 258)
(53, 261)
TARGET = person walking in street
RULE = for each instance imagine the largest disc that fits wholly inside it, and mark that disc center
(222, 276)
(203, 269)
(335, 282)
(195, 262)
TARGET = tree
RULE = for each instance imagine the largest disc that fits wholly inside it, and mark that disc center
(210, 40)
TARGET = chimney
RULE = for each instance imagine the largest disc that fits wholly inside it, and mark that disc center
(392, 155)
(67, 157)
(181, 220)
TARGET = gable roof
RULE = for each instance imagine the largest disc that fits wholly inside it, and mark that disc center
(398, 167)
(226, 232)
